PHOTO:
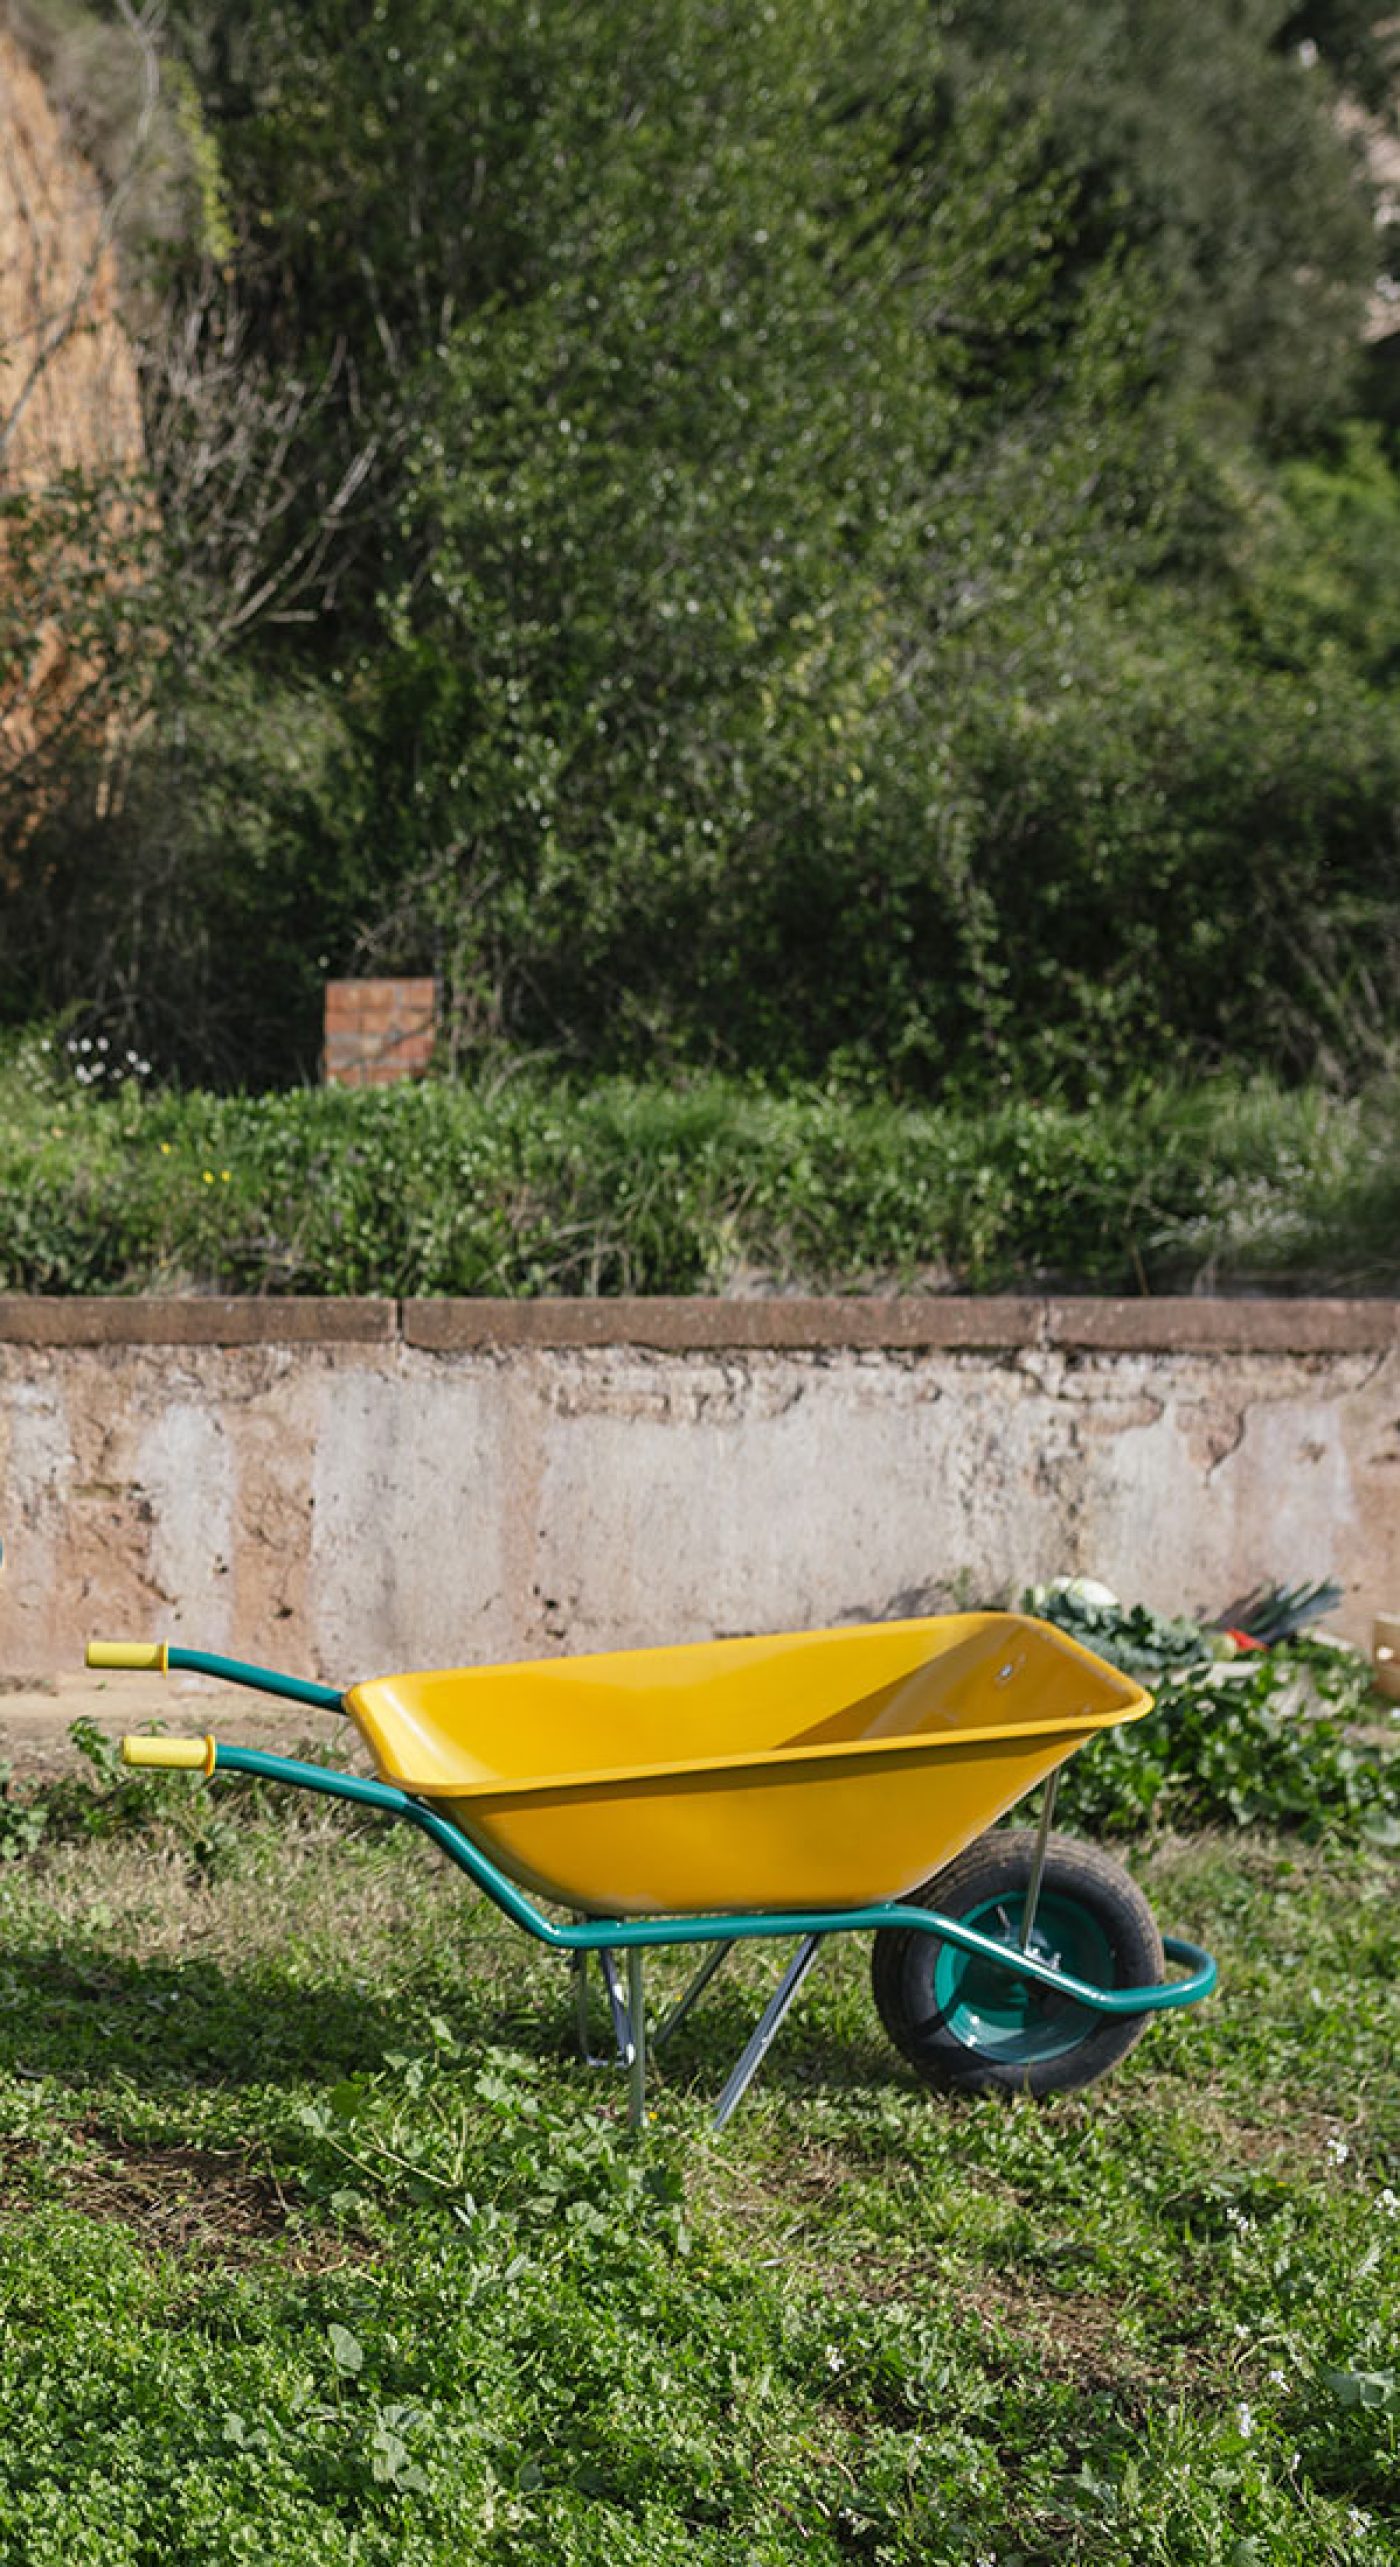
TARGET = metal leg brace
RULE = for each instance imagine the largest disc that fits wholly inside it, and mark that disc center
(617, 2008)
(767, 2028)
(591, 2058)
(629, 2022)
(630, 2028)
(637, 2017)
(618, 2013)
(692, 1994)
(1042, 1839)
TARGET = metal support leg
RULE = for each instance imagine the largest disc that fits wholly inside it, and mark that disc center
(578, 1972)
(637, 2017)
(1042, 1839)
(691, 1995)
(622, 2029)
(767, 2028)
(591, 2058)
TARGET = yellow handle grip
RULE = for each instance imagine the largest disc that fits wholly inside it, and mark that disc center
(172, 1755)
(151, 1654)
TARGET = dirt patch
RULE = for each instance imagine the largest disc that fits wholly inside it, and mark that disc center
(1076, 2336)
(1289, 2150)
(184, 2201)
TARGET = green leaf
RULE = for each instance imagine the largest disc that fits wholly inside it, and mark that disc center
(1376, 2391)
(347, 2352)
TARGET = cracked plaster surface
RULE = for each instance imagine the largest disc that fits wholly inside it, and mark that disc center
(342, 1509)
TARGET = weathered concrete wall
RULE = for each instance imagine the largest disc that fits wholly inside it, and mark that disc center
(344, 1487)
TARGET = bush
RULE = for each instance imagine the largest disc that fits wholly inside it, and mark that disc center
(1285, 1737)
(773, 541)
(530, 1185)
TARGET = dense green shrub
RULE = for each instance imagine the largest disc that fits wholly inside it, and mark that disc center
(194, 913)
(1208, 139)
(527, 1186)
(778, 674)
(778, 541)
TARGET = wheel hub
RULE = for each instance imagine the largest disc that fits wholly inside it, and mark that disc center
(1012, 2019)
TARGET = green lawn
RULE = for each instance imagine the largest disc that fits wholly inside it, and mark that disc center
(319, 2245)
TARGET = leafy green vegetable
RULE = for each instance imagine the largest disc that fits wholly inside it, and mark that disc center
(1287, 1738)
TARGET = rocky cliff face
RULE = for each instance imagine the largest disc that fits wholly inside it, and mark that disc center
(68, 387)
(69, 395)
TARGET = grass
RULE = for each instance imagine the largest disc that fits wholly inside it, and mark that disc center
(318, 2245)
(523, 1185)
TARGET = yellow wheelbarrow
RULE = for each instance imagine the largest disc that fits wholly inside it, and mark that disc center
(794, 1786)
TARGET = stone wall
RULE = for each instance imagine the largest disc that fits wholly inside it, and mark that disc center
(339, 1487)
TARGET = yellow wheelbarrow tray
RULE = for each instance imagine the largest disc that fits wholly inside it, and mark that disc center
(788, 1786)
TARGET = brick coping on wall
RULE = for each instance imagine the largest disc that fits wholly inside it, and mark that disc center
(912, 1323)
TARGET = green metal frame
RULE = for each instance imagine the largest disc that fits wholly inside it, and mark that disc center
(628, 1934)
(263, 1680)
(609, 1936)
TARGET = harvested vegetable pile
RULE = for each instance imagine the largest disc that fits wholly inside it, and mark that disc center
(1289, 1736)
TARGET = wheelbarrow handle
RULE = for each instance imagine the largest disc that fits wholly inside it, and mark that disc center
(621, 1934)
(172, 1755)
(159, 1657)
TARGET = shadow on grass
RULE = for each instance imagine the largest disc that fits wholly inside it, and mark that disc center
(88, 2019)
(84, 2019)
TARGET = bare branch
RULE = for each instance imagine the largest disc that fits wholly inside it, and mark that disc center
(253, 529)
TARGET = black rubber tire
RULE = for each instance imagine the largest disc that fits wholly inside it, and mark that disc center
(903, 1964)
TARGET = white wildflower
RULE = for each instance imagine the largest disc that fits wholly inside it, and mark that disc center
(1246, 2419)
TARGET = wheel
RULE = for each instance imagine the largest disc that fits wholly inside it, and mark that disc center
(963, 2023)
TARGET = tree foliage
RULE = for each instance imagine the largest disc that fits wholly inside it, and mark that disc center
(772, 537)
